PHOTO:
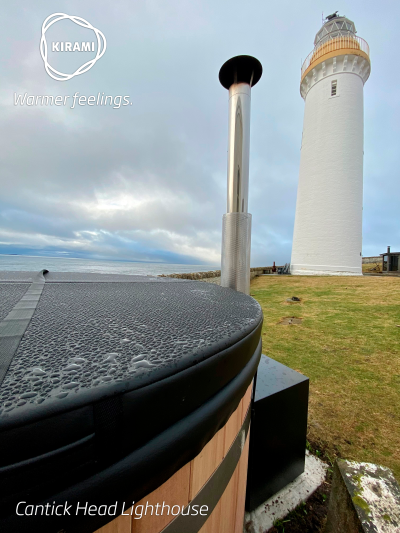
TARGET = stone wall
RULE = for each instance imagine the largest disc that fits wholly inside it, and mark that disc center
(194, 275)
(372, 259)
(254, 272)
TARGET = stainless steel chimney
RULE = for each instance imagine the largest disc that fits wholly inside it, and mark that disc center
(238, 75)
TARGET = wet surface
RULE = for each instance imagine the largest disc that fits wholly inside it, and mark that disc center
(10, 294)
(89, 334)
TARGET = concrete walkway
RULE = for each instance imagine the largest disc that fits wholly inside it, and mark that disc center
(262, 519)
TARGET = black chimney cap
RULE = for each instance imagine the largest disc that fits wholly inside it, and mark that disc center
(240, 69)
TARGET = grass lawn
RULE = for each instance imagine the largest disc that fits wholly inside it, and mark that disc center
(349, 346)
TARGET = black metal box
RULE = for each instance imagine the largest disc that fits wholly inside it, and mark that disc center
(278, 431)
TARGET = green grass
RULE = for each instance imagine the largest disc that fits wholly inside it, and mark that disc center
(349, 346)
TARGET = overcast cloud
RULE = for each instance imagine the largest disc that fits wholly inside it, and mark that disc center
(147, 181)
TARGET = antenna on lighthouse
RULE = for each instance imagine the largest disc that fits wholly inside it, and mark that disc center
(238, 75)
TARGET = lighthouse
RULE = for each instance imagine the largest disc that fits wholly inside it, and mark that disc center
(327, 237)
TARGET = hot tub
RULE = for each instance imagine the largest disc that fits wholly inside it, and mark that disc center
(121, 392)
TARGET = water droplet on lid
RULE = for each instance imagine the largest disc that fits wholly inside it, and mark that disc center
(26, 395)
(21, 402)
(71, 385)
(62, 395)
(141, 364)
(124, 341)
(138, 358)
(71, 367)
(78, 360)
(111, 358)
(38, 372)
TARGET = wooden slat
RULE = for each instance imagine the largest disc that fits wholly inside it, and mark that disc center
(241, 490)
(232, 427)
(183, 486)
(246, 401)
(228, 505)
(121, 524)
(228, 515)
(175, 491)
(204, 465)
(213, 522)
(229, 512)
(223, 518)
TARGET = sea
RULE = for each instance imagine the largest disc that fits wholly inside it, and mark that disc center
(69, 264)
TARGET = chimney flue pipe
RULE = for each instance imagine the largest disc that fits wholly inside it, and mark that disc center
(238, 75)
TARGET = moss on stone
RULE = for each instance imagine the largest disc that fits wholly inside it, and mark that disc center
(360, 502)
(357, 479)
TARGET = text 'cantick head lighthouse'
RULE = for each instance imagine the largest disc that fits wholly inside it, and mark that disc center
(328, 225)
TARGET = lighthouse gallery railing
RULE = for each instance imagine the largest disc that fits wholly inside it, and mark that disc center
(337, 43)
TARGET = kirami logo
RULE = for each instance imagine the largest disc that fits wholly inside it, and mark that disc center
(61, 46)
(72, 47)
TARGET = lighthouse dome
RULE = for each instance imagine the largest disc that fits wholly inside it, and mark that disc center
(335, 26)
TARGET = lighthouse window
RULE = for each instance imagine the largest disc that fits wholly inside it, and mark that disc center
(334, 88)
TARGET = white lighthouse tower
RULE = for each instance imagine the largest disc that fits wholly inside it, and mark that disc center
(327, 236)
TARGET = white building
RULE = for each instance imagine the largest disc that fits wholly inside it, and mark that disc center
(327, 236)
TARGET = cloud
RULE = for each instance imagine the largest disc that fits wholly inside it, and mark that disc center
(148, 181)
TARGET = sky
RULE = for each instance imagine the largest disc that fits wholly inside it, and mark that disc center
(147, 181)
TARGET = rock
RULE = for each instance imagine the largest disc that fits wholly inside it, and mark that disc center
(365, 498)
(249, 527)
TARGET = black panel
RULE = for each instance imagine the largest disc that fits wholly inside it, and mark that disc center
(278, 431)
